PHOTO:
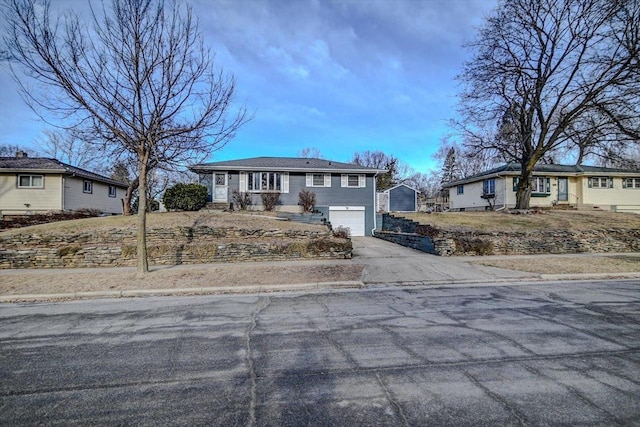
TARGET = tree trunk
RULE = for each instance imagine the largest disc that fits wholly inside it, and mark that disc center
(127, 198)
(143, 263)
(523, 194)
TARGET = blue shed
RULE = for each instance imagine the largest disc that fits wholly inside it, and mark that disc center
(400, 198)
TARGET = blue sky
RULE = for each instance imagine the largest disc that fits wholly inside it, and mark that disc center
(341, 76)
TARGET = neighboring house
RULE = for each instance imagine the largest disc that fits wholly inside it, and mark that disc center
(345, 193)
(400, 198)
(582, 187)
(36, 184)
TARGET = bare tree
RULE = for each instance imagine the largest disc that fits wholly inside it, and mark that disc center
(11, 150)
(310, 153)
(398, 172)
(542, 66)
(140, 79)
(468, 161)
(68, 147)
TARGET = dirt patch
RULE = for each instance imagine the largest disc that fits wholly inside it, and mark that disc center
(179, 277)
(568, 265)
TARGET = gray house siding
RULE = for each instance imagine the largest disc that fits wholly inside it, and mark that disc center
(402, 199)
(336, 195)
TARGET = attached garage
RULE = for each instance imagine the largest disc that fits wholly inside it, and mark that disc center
(351, 217)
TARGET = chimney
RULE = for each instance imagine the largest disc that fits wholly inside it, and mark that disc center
(21, 154)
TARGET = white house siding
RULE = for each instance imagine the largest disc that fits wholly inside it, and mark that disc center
(610, 198)
(75, 198)
(471, 199)
(14, 199)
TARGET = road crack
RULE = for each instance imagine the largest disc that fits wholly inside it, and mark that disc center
(250, 365)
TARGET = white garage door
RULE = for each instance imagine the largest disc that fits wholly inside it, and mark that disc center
(351, 217)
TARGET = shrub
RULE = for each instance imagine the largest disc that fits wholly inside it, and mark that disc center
(187, 197)
(342, 232)
(270, 200)
(474, 245)
(307, 199)
(241, 199)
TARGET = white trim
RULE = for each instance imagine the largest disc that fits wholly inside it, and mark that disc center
(346, 208)
(31, 176)
(242, 180)
(344, 180)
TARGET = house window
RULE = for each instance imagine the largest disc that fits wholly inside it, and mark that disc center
(112, 191)
(631, 182)
(30, 181)
(600, 182)
(353, 181)
(318, 180)
(87, 187)
(489, 187)
(264, 181)
(460, 189)
(539, 184)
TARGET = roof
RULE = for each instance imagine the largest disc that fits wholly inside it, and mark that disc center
(399, 185)
(285, 164)
(513, 169)
(46, 165)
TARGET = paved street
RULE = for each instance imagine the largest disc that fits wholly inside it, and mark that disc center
(536, 354)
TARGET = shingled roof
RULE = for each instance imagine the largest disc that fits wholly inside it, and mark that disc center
(285, 164)
(514, 169)
(47, 165)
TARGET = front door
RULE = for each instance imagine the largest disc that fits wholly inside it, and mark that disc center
(563, 190)
(220, 187)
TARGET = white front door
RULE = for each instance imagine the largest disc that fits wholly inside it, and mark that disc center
(220, 187)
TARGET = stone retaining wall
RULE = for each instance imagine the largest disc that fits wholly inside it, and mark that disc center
(186, 245)
(447, 242)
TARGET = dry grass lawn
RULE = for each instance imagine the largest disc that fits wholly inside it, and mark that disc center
(568, 264)
(14, 282)
(249, 220)
(548, 220)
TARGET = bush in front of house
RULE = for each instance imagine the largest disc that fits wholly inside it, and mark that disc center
(241, 199)
(342, 232)
(270, 200)
(186, 197)
(307, 199)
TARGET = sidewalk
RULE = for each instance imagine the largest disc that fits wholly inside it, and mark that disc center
(375, 263)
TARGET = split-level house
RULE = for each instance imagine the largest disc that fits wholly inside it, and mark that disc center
(37, 184)
(345, 193)
(581, 187)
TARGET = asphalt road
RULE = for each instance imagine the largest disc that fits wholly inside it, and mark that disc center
(537, 354)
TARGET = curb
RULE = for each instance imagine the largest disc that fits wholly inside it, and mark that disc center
(183, 291)
(596, 276)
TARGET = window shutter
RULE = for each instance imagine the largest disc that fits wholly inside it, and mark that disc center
(327, 180)
(309, 180)
(243, 182)
(610, 179)
(624, 183)
(548, 185)
(515, 183)
(362, 180)
(590, 182)
(343, 180)
(285, 182)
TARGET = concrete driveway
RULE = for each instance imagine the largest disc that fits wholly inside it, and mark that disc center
(386, 262)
